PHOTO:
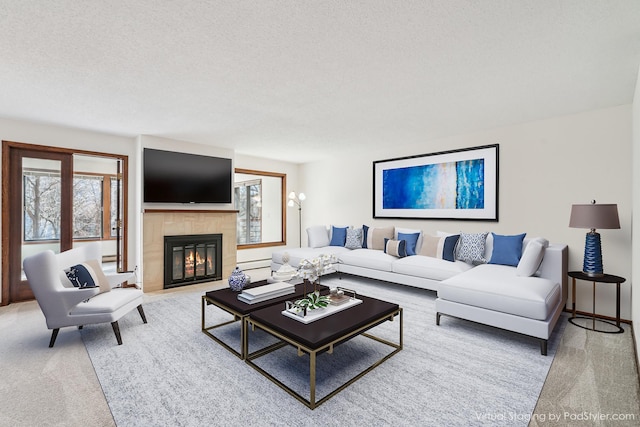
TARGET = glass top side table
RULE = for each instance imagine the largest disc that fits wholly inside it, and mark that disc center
(607, 278)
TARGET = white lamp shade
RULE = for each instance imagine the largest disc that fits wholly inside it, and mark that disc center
(301, 196)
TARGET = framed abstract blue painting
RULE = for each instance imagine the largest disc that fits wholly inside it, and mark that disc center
(457, 184)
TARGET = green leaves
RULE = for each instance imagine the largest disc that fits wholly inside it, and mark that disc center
(313, 300)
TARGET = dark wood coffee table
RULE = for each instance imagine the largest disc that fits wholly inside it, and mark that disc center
(320, 336)
(227, 300)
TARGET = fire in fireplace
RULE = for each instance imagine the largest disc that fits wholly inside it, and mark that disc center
(192, 259)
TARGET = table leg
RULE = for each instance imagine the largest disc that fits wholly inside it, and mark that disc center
(618, 304)
(573, 296)
(312, 379)
(594, 307)
(244, 337)
(202, 328)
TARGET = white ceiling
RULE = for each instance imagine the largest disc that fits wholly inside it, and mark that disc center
(297, 80)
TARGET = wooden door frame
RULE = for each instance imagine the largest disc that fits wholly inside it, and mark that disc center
(7, 148)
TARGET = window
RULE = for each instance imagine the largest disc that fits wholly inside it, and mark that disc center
(113, 212)
(259, 198)
(90, 198)
(42, 192)
(248, 202)
(87, 207)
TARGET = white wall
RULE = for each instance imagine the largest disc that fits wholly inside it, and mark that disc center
(545, 167)
(635, 295)
(56, 136)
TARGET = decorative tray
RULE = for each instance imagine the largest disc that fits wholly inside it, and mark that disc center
(319, 313)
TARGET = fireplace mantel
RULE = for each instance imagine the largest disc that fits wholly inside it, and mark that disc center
(158, 223)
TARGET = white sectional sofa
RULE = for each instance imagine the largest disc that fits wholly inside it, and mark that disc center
(526, 296)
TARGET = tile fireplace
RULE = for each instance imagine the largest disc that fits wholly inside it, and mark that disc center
(190, 259)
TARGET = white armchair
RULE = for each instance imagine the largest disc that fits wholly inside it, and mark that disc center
(64, 305)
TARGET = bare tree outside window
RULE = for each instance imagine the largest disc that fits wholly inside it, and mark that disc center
(248, 202)
(87, 207)
(42, 193)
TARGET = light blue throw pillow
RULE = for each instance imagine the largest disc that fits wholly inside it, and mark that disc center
(338, 236)
(470, 248)
(412, 241)
(354, 238)
(507, 250)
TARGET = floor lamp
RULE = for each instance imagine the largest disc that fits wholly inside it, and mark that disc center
(297, 201)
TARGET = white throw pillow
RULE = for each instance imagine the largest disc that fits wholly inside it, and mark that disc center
(532, 257)
(318, 236)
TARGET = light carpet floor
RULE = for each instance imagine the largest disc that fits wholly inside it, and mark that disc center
(458, 374)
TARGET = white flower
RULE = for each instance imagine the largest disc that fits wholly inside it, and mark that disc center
(312, 269)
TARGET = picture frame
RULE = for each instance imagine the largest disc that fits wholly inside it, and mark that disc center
(459, 184)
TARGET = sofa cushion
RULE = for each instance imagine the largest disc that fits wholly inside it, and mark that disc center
(443, 247)
(368, 258)
(107, 302)
(338, 236)
(507, 250)
(498, 288)
(412, 236)
(317, 236)
(376, 236)
(429, 267)
(88, 274)
(396, 248)
(365, 234)
(471, 248)
(354, 238)
(412, 241)
(532, 257)
(429, 246)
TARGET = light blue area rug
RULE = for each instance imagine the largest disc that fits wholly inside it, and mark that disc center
(168, 373)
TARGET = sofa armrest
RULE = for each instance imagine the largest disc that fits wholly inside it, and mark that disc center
(554, 266)
(71, 297)
(116, 279)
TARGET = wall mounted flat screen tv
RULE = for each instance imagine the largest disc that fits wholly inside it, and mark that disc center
(171, 177)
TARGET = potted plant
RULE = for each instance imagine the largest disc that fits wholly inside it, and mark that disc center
(313, 301)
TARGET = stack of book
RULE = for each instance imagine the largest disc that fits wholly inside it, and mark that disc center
(266, 292)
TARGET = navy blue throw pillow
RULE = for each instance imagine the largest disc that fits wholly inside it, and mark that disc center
(449, 247)
(365, 231)
(81, 277)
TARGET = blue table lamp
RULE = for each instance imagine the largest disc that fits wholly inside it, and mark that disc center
(593, 216)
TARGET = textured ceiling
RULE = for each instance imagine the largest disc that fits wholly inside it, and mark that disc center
(297, 80)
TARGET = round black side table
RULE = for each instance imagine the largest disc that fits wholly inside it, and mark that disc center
(607, 278)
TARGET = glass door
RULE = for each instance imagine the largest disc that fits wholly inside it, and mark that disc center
(39, 209)
(56, 199)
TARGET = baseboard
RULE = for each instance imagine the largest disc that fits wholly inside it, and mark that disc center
(255, 264)
(635, 349)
